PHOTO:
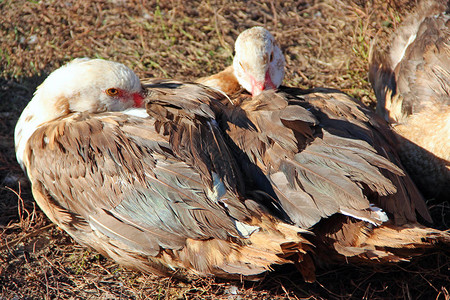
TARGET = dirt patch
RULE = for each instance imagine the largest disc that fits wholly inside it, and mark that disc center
(326, 43)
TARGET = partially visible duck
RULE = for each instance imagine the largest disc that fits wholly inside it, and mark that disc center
(158, 193)
(412, 86)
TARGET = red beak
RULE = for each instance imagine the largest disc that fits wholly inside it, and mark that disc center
(258, 87)
(138, 99)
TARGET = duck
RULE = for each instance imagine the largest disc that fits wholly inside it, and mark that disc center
(158, 192)
(258, 65)
(329, 161)
(411, 82)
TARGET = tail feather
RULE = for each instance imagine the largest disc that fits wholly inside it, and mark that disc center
(345, 239)
(273, 244)
(410, 236)
(388, 244)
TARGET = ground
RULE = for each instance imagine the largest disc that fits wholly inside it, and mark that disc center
(326, 43)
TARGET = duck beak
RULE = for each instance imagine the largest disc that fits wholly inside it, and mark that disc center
(138, 99)
(268, 84)
(258, 87)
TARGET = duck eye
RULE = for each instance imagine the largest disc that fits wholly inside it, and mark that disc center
(271, 57)
(112, 92)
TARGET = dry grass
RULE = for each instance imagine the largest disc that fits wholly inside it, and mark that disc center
(326, 43)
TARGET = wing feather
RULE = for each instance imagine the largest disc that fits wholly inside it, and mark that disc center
(109, 176)
(325, 146)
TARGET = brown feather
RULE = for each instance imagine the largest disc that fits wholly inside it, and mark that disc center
(224, 81)
(358, 241)
(318, 153)
(327, 145)
(95, 174)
